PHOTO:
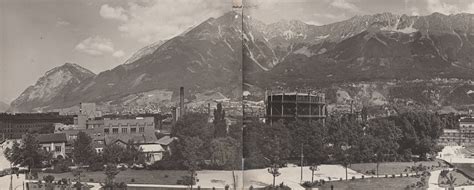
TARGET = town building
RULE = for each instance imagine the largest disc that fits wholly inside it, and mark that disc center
(139, 130)
(462, 136)
(54, 143)
(153, 152)
(289, 106)
(14, 126)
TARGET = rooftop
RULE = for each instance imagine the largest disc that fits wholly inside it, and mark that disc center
(466, 119)
(51, 138)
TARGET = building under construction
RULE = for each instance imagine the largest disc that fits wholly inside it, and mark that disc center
(290, 106)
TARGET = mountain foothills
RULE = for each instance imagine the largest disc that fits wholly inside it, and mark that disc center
(376, 60)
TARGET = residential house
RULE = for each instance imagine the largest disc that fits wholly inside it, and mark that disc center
(54, 143)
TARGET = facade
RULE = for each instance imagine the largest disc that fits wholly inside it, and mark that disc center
(140, 130)
(462, 136)
(289, 106)
(153, 152)
(13, 126)
(54, 143)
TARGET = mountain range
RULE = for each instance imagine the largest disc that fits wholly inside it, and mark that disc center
(379, 52)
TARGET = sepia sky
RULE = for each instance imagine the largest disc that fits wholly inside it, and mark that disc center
(38, 35)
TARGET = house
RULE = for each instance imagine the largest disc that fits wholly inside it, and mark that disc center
(54, 143)
(153, 152)
(165, 142)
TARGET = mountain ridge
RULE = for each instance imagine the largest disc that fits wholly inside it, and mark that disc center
(220, 54)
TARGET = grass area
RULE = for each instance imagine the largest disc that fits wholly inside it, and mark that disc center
(165, 177)
(392, 167)
(371, 183)
(468, 169)
(460, 179)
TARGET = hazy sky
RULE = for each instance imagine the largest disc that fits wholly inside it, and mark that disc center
(38, 35)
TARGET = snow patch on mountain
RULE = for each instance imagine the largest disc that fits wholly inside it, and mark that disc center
(304, 51)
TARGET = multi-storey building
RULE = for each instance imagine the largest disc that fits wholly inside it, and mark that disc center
(140, 130)
(462, 136)
(13, 126)
(289, 106)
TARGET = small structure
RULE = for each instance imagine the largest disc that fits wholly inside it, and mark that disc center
(165, 142)
(54, 143)
(153, 152)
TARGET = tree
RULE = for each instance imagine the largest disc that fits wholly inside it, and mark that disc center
(450, 181)
(220, 126)
(225, 153)
(314, 167)
(83, 152)
(110, 172)
(274, 170)
(113, 153)
(27, 153)
(191, 147)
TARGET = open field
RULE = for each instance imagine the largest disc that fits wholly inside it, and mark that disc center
(164, 177)
(460, 179)
(368, 183)
(391, 167)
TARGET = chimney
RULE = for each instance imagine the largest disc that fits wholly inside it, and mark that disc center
(181, 102)
(209, 109)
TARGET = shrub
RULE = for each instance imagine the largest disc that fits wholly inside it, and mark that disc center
(386, 176)
(48, 178)
(353, 178)
(96, 166)
(91, 180)
(393, 175)
(132, 180)
(363, 176)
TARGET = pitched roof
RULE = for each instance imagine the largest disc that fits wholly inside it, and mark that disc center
(152, 148)
(166, 140)
(466, 119)
(51, 138)
(137, 139)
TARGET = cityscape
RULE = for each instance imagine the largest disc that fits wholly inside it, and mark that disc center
(236, 94)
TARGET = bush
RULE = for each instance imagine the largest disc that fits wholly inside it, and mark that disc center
(91, 180)
(96, 166)
(132, 180)
(48, 178)
(353, 177)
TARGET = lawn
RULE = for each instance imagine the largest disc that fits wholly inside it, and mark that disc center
(391, 167)
(467, 168)
(164, 177)
(460, 179)
(371, 183)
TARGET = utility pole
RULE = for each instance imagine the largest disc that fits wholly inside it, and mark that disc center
(302, 156)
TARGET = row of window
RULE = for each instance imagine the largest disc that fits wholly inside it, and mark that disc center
(56, 148)
(125, 130)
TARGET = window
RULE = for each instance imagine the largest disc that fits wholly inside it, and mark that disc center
(57, 148)
(124, 130)
(115, 130)
(133, 130)
(106, 131)
(141, 129)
